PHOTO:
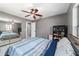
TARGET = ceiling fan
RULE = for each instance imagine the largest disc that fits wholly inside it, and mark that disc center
(33, 12)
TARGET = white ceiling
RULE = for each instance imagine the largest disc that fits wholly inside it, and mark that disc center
(46, 9)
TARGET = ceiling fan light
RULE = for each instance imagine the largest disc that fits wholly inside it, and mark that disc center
(33, 13)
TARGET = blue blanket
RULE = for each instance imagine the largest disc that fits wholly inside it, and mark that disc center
(51, 50)
(33, 47)
(30, 47)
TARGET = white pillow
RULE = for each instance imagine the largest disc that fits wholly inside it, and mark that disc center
(64, 48)
(64, 41)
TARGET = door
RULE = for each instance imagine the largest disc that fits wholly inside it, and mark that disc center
(28, 30)
(33, 29)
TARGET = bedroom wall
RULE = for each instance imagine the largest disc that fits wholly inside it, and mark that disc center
(69, 13)
(78, 22)
(44, 27)
(10, 17)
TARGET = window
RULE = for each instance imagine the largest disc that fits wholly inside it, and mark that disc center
(8, 27)
(75, 22)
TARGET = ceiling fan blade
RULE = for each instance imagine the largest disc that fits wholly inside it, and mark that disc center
(27, 15)
(32, 10)
(34, 17)
(36, 10)
(25, 11)
(38, 15)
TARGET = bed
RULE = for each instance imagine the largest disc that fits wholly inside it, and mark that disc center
(39, 47)
(64, 48)
(8, 35)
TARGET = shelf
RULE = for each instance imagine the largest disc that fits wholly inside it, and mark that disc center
(59, 31)
(57, 35)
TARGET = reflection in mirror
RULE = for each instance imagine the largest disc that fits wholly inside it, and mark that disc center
(9, 33)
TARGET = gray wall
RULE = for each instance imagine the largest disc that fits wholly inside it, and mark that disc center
(10, 17)
(44, 27)
(78, 15)
(78, 22)
(69, 13)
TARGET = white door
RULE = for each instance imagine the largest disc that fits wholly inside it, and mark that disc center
(33, 29)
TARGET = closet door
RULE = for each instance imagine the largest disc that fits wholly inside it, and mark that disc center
(33, 29)
(28, 30)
